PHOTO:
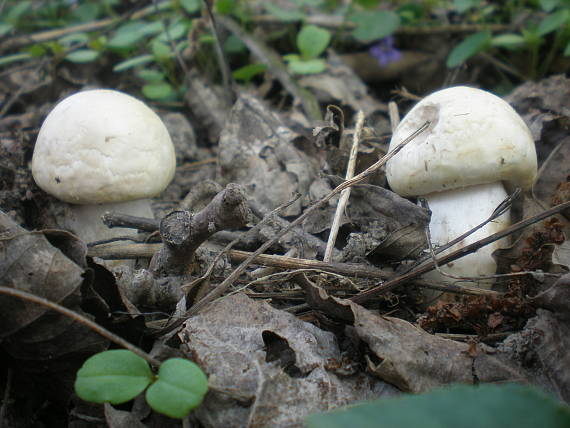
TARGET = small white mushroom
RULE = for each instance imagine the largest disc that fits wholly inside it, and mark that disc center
(102, 150)
(475, 145)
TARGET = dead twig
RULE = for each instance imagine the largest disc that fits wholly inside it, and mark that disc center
(183, 232)
(80, 319)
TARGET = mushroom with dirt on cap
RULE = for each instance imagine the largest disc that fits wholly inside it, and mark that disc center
(475, 145)
(102, 150)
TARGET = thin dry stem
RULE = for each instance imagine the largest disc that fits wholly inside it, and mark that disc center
(80, 319)
(345, 194)
(394, 115)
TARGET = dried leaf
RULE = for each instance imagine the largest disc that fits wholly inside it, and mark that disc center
(266, 367)
(256, 150)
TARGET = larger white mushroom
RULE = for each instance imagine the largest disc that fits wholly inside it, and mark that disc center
(102, 150)
(475, 145)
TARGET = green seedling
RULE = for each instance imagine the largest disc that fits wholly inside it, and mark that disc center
(311, 42)
(118, 376)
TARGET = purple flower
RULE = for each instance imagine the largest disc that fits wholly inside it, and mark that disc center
(385, 52)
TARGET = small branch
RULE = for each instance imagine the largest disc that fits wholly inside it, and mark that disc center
(80, 319)
(111, 219)
(420, 270)
(345, 194)
(135, 251)
(183, 232)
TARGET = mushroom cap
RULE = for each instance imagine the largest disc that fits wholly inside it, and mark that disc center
(103, 146)
(474, 138)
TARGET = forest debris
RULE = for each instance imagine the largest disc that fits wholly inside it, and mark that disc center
(542, 347)
(256, 150)
(30, 263)
(266, 367)
(408, 357)
(183, 232)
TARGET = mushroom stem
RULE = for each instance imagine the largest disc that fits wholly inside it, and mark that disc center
(85, 220)
(456, 211)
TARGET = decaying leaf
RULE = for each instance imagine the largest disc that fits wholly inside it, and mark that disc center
(266, 367)
(256, 150)
(410, 358)
(30, 263)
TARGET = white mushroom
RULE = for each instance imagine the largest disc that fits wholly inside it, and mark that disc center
(474, 145)
(102, 150)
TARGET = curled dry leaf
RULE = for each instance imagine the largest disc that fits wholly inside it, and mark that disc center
(30, 263)
(266, 367)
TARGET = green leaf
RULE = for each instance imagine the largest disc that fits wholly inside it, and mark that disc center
(225, 7)
(462, 6)
(410, 13)
(13, 14)
(248, 72)
(309, 66)
(158, 91)
(312, 41)
(74, 38)
(234, 44)
(489, 406)
(285, 15)
(470, 46)
(133, 62)
(113, 376)
(129, 34)
(161, 51)
(86, 12)
(191, 6)
(175, 31)
(150, 75)
(508, 41)
(374, 25)
(180, 387)
(553, 22)
(548, 5)
(5, 28)
(82, 56)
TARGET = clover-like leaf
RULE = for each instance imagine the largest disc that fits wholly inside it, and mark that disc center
(180, 387)
(112, 377)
